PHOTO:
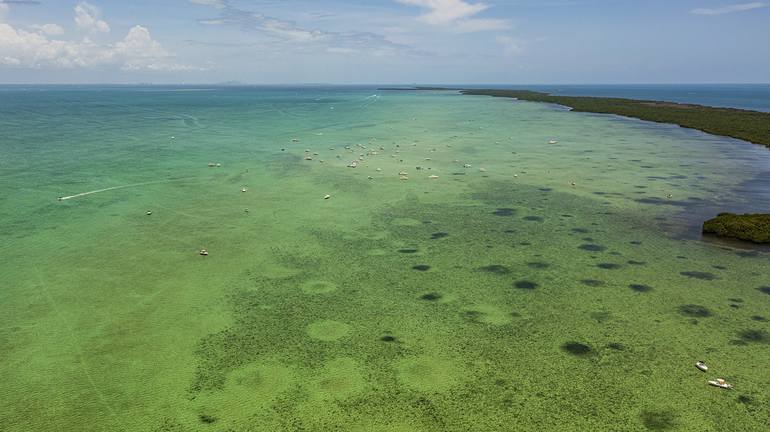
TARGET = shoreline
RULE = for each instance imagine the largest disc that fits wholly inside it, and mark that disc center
(746, 125)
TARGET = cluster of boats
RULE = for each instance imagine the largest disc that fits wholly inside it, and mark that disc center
(718, 382)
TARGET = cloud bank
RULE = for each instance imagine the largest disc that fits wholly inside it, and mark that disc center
(38, 48)
(728, 9)
(456, 14)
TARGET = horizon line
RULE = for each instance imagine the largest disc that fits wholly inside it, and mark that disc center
(238, 83)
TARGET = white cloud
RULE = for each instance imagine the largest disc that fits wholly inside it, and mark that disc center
(283, 35)
(445, 12)
(511, 47)
(136, 52)
(728, 9)
(457, 14)
(221, 4)
(337, 50)
(88, 18)
(479, 25)
(212, 21)
(49, 29)
(289, 32)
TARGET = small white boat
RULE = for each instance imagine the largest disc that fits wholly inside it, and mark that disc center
(204, 252)
(243, 189)
(433, 177)
(719, 382)
(702, 366)
(553, 142)
(148, 213)
(327, 196)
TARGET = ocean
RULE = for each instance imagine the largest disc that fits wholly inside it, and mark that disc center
(465, 274)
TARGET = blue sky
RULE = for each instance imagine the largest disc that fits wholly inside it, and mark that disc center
(384, 41)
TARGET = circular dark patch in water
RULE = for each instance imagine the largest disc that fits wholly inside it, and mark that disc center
(592, 282)
(698, 275)
(640, 263)
(388, 338)
(421, 267)
(693, 310)
(431, 296)
(205, 418)
(764, 289)
(592, 247)
(538, 265)
(533, 218)
(438, 235)
(755, 336)
(616, 346)
(576, 348)
(759, 318)
(524, 284)
(472, 315)
(608, 266)
(658, 420)
(640, 287)
(504, 212)
(496, 269)
(408, 251)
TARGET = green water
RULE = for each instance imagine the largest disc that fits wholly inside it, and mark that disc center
(497, 296)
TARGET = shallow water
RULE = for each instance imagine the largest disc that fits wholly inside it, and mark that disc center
(498, 299)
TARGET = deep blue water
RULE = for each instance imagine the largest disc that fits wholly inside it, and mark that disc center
(746, 96)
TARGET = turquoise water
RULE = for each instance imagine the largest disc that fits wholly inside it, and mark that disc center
(528, 286)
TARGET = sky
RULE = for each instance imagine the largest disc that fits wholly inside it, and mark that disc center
(385, 41)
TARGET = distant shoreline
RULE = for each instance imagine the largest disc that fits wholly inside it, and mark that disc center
(747, 125)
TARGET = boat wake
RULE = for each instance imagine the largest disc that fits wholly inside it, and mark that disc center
(69, 197)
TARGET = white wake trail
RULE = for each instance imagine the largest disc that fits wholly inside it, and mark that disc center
(64, 198)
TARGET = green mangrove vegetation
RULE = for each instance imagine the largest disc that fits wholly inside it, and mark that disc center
(750, 227)
(752, 126)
